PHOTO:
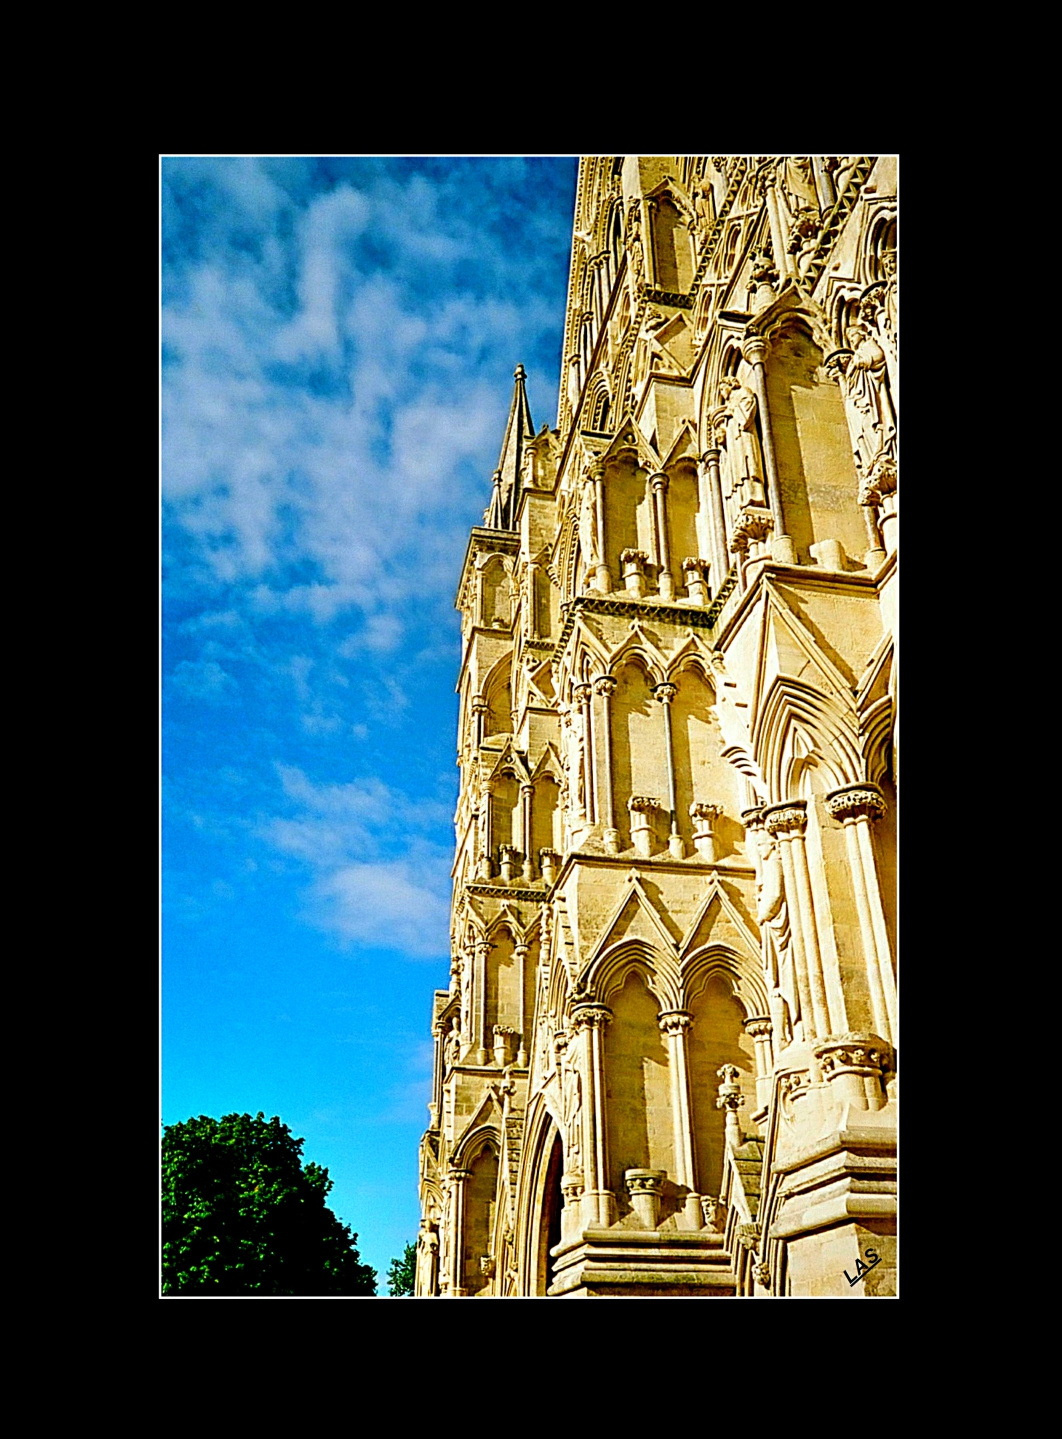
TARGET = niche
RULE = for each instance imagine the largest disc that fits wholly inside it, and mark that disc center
(716, 1037)
(813, 448)
(637, 1094)
(480, 1202)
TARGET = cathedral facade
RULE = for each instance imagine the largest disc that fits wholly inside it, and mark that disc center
(666, 1064)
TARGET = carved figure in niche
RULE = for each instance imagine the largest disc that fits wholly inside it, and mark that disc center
(704, 208)
(797, 180)
(889, 319)
(572, 1095)
(744, 459)
(772, 915)
(588, 525)
(452, 1045)
(864, 380)
(427, 1257)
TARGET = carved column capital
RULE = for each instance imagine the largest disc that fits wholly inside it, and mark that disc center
(605, 685)
(752, 818)
(642, 804)
(755, 349)
(867, 1055)
(596, 469)
(581, 693)
(659, 481)
(730, 1095)
(665, 693)
(526, 788)
(788, 818)
(645, 1181)
(458, 1176)
(674, 1021)
(753, 526)
(482, 948)
(856, 801)
(591, 1016)
(759, 1027)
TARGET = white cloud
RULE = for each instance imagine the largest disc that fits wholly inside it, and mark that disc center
(205, 680)
(388, 906)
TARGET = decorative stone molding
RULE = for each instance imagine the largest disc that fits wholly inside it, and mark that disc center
(549, 862)
(643, 811)
(695, 573)
(605, 685)
(748, 1236)
(645, 1187)
(591, 1016)
(762, 1275)
(572, 1187)
(788, 818)
(856, 801)
(509, 862)
(753, 528)
(633, 563)
(855, 1065)
(674, 1021)
(705, 817)
(730, 1100)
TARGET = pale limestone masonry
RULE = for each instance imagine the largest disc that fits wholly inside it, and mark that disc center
(666, 1062)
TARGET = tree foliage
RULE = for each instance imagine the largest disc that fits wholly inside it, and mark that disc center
(242, 1214)
(402, 1273)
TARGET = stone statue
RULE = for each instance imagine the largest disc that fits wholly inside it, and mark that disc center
(588, 525)
(772, 915)
(889, 319)
(797, 180)
(573, 1105)
(864, 381)
(744, 459)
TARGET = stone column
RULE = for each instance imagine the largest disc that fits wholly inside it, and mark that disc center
(457, 1178)
(674, 1023)
(598, 1201)
(759, 1027)
(482, 960)
(581, 694)
(713, 483)
(730, 1100)
(479, 711)
(755, 350)
(854, 1066)
(658, 484)
(783, 821)
(526, 800)
(439, 1034)
(521, 952)
(485, 861)
(645, 1187)
(823, 185)
(604, 574)
(856, 807)
(605, 688)
(779, 236)
(665, 694)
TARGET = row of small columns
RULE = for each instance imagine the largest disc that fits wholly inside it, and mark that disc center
(818, 985)
(598, 1203)
(601, 801)
(527, 792)
(479, 1002)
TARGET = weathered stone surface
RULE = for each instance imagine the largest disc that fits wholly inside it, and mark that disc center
(666, 1062)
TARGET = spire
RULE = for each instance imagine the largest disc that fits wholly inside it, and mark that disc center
(501, 513)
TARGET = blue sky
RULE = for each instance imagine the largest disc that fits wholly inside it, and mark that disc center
(339, 337)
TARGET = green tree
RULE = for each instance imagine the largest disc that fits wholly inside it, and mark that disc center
(403, 1272)
(242, 1214)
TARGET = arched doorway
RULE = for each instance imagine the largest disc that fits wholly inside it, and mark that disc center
(549, 1216)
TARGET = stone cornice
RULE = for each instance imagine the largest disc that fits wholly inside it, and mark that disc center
(506, 891)
(682, 616)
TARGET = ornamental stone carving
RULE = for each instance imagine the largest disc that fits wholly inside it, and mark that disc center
(752, 529)
(788, 818)
(856, 801)
(605, 686)
(591, 1016)
(762, 1274)
(674, 1021)
(744, 458)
